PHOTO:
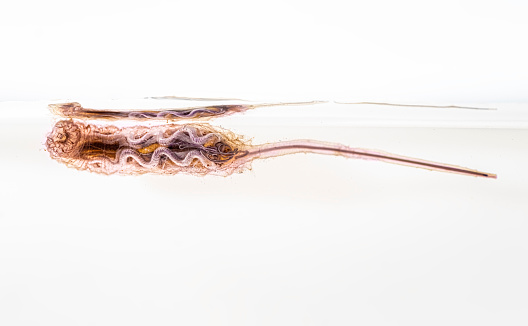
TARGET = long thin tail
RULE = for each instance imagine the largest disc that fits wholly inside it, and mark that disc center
(311, 146)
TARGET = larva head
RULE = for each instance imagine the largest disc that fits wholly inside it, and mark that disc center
(64, 139)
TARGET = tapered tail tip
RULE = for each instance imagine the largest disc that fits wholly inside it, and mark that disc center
(487, 175)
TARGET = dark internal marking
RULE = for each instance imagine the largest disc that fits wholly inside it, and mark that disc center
(382, 157)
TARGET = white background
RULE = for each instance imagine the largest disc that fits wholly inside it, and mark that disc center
(298, 240)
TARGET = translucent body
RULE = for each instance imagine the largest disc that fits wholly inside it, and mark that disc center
(196, 149)
(168, 149)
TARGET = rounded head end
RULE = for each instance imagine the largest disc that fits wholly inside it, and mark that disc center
(63, 139)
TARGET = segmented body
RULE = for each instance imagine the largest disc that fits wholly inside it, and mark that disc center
(168, 149)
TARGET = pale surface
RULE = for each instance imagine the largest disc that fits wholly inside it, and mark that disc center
(300, 240)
